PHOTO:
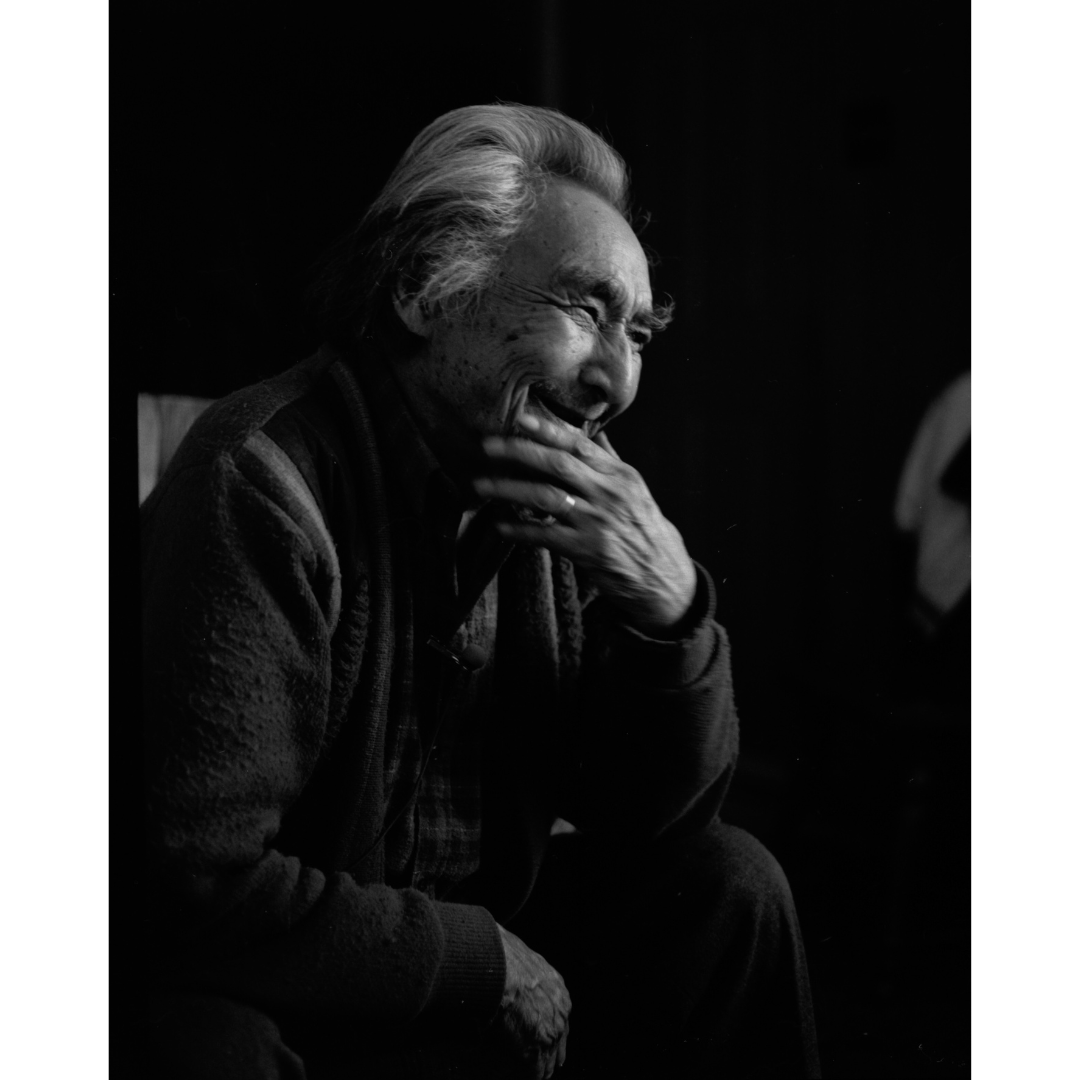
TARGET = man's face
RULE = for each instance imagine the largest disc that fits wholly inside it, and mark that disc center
(559, 335)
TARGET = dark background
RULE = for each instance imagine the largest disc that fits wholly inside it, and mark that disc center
(806, 170)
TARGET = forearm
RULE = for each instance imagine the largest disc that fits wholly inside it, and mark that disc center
(657, 733)
(286, 936)
(230, 912)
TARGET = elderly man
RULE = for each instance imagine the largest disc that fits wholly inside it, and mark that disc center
(438, 719)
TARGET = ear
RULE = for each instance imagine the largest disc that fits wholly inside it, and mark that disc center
(413, 313)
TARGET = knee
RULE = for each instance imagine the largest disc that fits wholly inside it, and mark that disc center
(196, 1037)
(741, 876)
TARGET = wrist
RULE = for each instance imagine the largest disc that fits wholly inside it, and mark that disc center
(472, 973)
(666, 618)
(665, 625)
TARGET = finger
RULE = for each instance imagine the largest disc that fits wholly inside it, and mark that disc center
(550, 1062)
(560, 436)
(546, 498)
(559, 466)
(559, 538)
(604, 443)
(538, 1063)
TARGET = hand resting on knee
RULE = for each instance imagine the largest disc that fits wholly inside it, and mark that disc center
(535, 1008)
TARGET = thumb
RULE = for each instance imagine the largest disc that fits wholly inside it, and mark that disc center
(604, 443)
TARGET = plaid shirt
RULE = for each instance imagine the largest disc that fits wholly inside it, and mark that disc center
(437, 844)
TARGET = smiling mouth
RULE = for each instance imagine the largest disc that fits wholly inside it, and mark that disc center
(585, 423)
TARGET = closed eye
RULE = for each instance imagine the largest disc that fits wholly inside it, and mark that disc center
(639, 335)
(594, 312)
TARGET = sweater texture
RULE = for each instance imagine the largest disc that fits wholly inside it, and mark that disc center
(278, 631)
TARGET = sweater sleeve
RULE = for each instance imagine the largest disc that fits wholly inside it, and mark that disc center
(240, 592)
(655, 740)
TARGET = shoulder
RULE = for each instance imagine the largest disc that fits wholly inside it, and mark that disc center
(228, 453)
(229, 423)
(279, 455)
(235, 431)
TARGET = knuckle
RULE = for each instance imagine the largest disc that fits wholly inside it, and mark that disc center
(603, 544)
(562, 466)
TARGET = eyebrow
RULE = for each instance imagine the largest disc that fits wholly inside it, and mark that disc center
(611, 292)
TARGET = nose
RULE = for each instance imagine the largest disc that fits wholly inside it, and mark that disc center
(612, 371)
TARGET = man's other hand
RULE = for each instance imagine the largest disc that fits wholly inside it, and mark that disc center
(535, 1009)
(606, 520)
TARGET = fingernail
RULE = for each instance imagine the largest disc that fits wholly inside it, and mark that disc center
(530, 422)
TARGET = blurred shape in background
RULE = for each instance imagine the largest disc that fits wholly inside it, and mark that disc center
(164, 420)
(934, 503)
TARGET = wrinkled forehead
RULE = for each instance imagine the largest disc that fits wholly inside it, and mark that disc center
(577, 237)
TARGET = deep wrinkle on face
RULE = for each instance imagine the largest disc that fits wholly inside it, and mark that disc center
(559, 334)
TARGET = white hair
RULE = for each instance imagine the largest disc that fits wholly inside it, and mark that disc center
(465, 187)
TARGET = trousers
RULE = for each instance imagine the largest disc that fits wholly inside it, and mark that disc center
(683, 958)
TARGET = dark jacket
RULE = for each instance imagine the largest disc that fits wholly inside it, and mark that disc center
(276, 626)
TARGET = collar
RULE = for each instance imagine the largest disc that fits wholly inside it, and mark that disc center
(429, 497)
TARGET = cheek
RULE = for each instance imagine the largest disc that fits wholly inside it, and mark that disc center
(548, 347)
(561, 346)
(535, 346)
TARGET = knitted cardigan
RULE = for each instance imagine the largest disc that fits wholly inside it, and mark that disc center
(272, 652)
